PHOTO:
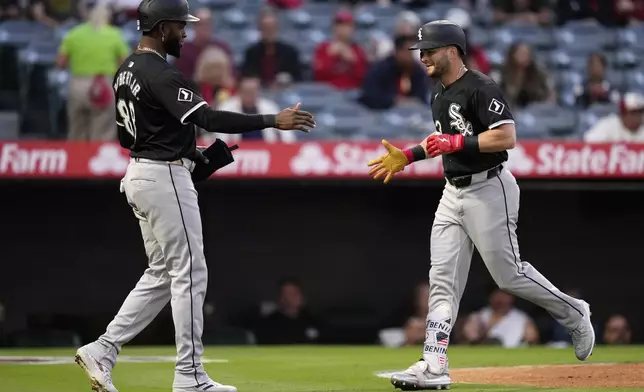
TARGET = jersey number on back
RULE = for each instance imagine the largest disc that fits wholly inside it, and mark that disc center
(126, 111)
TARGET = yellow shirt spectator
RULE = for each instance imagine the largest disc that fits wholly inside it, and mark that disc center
(91, 51)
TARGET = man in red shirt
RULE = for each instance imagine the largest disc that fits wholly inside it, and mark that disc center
(339, 61)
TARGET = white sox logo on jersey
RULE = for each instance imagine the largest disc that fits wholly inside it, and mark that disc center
(496, 106)
(184, 95)
(458, 122)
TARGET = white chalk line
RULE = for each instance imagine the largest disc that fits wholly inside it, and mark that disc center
(43, 360)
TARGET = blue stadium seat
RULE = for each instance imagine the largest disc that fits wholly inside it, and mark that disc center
(217, 4)
(631, 37)
(379, 11)
(562, 59)
(529, 127)
(560, 121)
(235, 19)
(20, 32)
(634, 80)
(585, 38)
(313, 96)
(479, 36)
(617, 78)
(534, 36)
(416, 119)
(298, 19)
(440, 9)
(624, 59)
(326, 8)
(568, 78)
(39, 51)
(590, 116)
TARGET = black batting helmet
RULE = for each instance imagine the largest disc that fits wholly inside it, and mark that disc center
(438, 34)
(151, 12)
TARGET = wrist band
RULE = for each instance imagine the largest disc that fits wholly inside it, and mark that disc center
(471, 143)
(269, 120)
(416, 153)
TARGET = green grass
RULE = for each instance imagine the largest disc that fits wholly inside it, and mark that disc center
(290, 369)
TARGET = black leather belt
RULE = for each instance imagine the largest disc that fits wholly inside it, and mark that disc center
(463, 181)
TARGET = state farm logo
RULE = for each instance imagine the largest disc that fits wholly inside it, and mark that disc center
(32, 160)
(615, 159)
(350, 159)
(519, 161)
(109, 160)
(311, 159)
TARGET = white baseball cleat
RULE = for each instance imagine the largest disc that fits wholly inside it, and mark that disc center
(418, 377)
(583, 337)
(99, 374)
(209, 386)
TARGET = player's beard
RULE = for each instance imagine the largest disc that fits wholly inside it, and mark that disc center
(441, 67)
(173, 47)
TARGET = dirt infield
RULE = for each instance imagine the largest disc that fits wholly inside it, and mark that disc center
(592, 375)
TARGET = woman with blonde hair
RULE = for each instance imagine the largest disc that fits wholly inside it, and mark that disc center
(213, 76)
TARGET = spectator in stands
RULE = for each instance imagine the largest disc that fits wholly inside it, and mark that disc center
(596, 89)
(55, 13)
(629, 11)
(475, 57)
(522, 12)
(627, 126)
(93, 52)
(380, 47)
(286, 4)
(585, 10)
(396, 80)
(339, 61)
(617, 330)
(203, 38)
(249, 101)
(522, 80)
(415, 325)
(123, 10)
(407, 326)
(276, 63)
(213, 76)
(500, 323)
(290, 322)
(12, 9)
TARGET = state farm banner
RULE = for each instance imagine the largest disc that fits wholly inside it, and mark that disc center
(43, 159)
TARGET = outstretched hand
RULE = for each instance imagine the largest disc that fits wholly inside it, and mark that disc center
(294, 118)
(389, 164)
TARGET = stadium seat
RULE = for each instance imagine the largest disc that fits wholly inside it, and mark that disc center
(298, 19)
(534, 36)
(588, 117)
(624, 59)
(479, 36)
(217, 4)
(529, 127)
(416, 119)
(566, 79)
(235, 19)
(634, 80)
(20, 32)
(584, 38)
(562, 59)
(631, 37)
(558, 120)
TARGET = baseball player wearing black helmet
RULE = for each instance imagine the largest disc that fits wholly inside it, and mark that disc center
(157, 109)
(479, 207)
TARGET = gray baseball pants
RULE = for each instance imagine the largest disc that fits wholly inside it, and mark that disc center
(163, 198)
(483, 214)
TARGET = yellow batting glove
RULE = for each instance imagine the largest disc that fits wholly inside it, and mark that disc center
(387, 165)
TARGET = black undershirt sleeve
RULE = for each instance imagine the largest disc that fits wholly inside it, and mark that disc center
(220, 121)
